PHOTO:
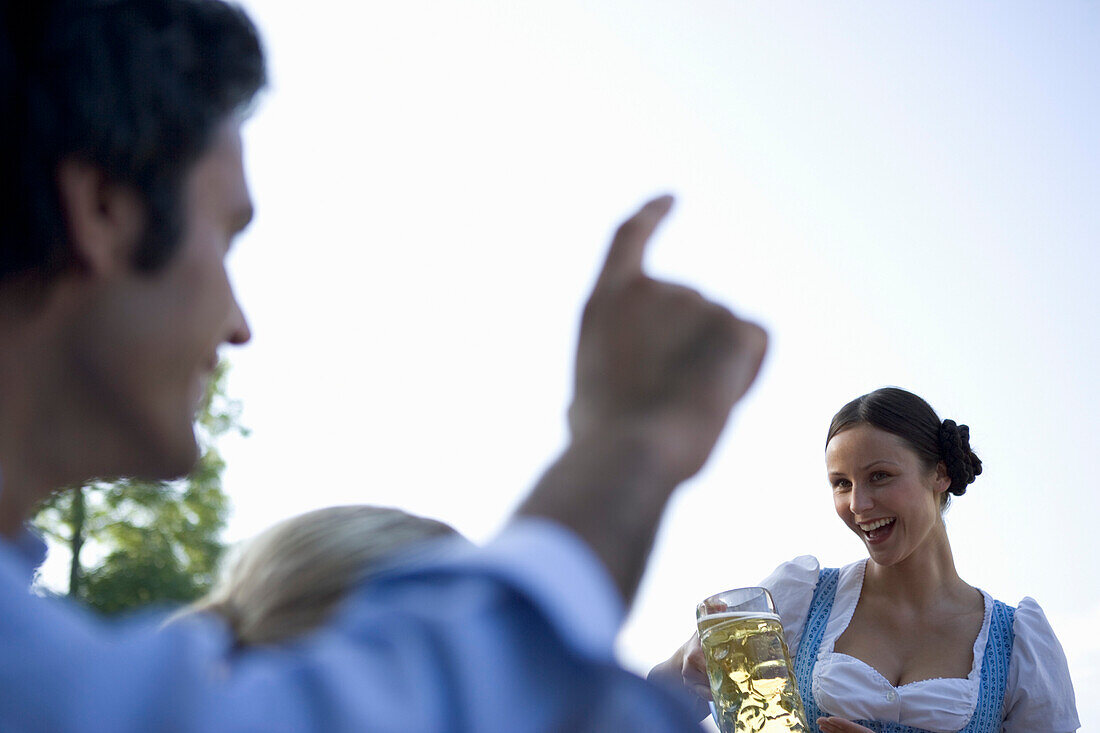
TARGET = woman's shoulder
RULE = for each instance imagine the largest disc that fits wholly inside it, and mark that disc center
(1039, 686)
(1028, 619)
(792, 587)
(1031, 634)
(803, 571)
(800, 569)
(1030, 607)
(1031, 627)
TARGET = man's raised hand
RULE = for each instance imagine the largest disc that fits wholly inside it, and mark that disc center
(658, 363)
(658, 369)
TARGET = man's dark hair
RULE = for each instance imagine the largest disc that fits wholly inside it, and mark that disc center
(133, 87)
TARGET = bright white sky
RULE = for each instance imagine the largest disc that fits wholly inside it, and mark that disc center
(902, 193)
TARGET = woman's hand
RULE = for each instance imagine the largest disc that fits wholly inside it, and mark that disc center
(686, 668)
(840, 725)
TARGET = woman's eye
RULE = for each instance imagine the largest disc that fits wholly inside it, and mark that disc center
(841, 485)
(879, 476)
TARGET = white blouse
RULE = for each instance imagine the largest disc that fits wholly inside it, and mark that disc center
(1038, 695)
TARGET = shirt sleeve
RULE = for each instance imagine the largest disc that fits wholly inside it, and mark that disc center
(792, 587)
(514, 637)
(1039, 693)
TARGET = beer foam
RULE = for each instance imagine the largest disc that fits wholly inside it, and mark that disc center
(731, 615)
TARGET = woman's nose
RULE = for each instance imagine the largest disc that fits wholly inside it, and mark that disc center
(860, 500)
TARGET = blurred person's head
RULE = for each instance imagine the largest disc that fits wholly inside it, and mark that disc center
(289, 579)
(121, 188)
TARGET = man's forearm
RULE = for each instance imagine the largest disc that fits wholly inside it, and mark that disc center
(611, 494)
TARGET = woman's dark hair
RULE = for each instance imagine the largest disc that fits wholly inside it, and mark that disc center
(133, 87)
(913, 420)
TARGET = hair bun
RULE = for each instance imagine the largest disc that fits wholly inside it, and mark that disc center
(962, 465)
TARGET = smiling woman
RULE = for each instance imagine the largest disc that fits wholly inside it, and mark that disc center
(898, 641)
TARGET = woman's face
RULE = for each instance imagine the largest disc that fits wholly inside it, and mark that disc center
(883, 491)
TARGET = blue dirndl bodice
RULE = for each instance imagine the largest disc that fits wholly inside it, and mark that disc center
(994, 673)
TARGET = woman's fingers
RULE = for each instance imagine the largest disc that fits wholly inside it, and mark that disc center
(840, 725)
(694, 668)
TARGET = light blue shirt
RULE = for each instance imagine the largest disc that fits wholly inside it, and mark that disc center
(516, 636)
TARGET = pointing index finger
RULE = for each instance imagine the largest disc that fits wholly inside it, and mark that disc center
(627, 251)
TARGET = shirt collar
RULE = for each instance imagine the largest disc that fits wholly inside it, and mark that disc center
(28, 551)
(27, 547)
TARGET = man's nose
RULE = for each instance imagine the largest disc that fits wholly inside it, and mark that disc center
(239, 332)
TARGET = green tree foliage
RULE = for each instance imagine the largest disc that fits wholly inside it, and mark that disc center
(133, 543)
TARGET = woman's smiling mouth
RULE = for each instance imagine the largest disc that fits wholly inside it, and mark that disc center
(877, 530)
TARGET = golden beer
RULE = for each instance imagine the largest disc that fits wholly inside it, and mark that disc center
(750, 673)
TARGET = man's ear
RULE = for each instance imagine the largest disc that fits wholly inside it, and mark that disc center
(104, 219)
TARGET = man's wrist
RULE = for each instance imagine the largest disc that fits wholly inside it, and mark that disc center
(629, 451)
(607, 489)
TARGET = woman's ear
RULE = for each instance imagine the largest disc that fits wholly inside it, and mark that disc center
(942, 480)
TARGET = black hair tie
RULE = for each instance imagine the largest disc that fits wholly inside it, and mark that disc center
(962, 465)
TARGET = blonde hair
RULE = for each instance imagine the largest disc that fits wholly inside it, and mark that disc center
(290, 578)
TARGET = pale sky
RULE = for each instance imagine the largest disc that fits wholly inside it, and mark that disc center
(902, 193)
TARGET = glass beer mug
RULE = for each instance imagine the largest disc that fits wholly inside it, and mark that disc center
(748, 665)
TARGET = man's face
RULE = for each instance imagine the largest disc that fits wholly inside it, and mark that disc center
(148, 344)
